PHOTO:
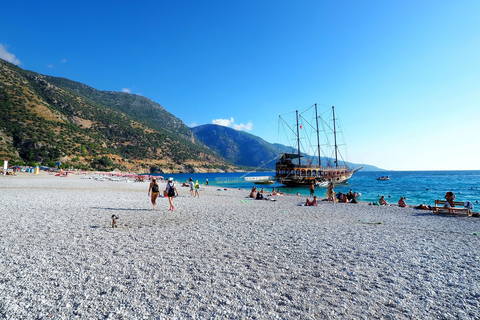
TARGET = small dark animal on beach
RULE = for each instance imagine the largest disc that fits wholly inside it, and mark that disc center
(114, 220)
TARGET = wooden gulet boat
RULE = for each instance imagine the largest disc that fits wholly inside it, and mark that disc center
(290, 171)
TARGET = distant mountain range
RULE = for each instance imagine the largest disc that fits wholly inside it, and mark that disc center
(248, 150)
(44, 120)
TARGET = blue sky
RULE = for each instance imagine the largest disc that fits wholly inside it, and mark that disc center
(404, 76)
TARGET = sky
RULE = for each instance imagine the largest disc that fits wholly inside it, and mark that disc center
(404, 76)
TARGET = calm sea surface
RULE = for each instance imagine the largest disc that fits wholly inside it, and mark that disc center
(417, 186)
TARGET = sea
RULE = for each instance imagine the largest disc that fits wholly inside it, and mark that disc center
(417, 186)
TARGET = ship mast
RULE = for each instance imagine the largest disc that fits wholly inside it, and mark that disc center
(318, 138)
(335, 137)
(298, 140)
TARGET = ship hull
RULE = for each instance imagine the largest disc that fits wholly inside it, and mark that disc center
(292, 175)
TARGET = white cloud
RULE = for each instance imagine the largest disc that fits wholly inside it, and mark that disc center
(10, 57)
(244, 127)
(223, 122)
(126, 90)
(64, 60)
(50, 66)
(193, 125)
(231, 123)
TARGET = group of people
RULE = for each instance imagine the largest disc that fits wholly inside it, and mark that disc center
(170, 192)
(350, 197)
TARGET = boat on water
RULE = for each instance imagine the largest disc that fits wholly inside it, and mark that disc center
(383, 178)
(261, 180)
(264, 182)
(291, 172)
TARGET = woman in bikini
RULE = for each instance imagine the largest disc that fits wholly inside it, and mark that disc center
(154, 190)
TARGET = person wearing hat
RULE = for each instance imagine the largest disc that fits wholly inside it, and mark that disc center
(154, 190)
(171, 192)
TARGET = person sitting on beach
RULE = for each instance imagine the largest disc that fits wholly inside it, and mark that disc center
(259, 196)
(278, 192)
(339, 196)
(450, 196)
(312, 203)
(350, 195)
(253, 192)
(401, 202)
(382, 201)
(262, 191)
(344, 198)
(354, 199)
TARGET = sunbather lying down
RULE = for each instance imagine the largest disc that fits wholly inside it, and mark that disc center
(312, 203)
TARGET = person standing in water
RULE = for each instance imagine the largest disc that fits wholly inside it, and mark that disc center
(312, 189)
(154, 190)
(171, 192)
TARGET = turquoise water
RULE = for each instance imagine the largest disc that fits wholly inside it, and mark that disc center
(417, 186)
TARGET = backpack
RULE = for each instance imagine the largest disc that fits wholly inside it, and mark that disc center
(155, 188)
(171, 190)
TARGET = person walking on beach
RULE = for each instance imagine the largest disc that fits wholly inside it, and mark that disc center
(171, 192)
(154, 191)
(206, 182)
(197, 187)
(192, 188)
(312, 189)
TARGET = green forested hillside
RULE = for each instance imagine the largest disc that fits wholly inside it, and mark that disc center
(44, 120)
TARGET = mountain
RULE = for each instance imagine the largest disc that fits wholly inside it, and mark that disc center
(44, 119)
(245, 149)
(238, 147)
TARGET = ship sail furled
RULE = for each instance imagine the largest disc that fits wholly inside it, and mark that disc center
(291, 170)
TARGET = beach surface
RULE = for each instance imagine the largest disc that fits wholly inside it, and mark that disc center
(224, 256)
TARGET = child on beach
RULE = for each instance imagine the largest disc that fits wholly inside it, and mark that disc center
(154, 190)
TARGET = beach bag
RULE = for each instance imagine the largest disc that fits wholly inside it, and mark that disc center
(155, 188)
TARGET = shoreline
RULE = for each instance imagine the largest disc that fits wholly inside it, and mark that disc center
(224, 255)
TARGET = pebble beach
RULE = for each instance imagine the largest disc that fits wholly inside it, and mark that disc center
(225, 256)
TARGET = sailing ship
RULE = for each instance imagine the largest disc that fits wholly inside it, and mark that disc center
(290, 170)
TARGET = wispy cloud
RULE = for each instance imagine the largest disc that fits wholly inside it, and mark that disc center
(244, 127)
(64, 60)
(223, 122)
(10, 57)
(193, 125)
(126, 90)
(231, 123)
